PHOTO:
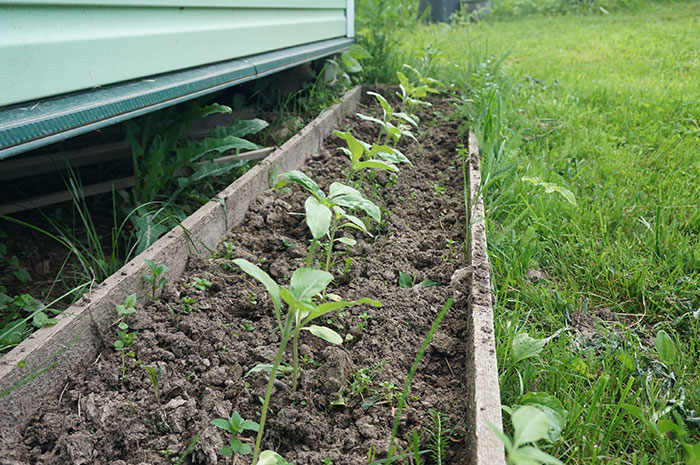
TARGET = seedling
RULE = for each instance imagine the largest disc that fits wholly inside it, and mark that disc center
(365, 157)
(364, 319)
(393, 132)
(305, 285)
(155, 276)
(154, 374)
(125, 338)
(411, 94)
(200, 283)
(247, 325)
(235, 425)
(188, 305)
(228, 250)
(439, 435)
(325, 214)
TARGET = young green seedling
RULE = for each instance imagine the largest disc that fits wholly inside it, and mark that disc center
(305, 285)
(125, 338)
(411, 94)
(155, 276)
(200, 283)
(393, 131)
(154, 374)
(235, 425)
(369, 157)
(325, 214)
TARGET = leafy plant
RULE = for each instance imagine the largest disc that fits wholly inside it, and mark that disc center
(155, 276)
(439, 435)
(393, 132)
(373, 157)
(125, 338)
(154, 374)
(200, 284)
(305, 285)
(530, 425)
(236, 425)
(325, 214)
(188, 304)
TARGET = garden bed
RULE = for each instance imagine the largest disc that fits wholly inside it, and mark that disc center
(213, 323)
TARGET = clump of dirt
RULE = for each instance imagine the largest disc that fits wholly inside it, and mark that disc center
(206, 349)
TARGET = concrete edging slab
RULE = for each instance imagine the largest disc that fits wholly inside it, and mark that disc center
(482, 370)
(41, 364)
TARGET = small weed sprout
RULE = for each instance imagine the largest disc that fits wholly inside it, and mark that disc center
(305, 285)
(236, 425)
(439, 435)
(155, 277)
(364, 320)
(125, 338)
(188, 304)
(200, 283)
(154, 374)
(325, 214)
(228, 250)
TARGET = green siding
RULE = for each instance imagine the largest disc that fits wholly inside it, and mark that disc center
(49, 47)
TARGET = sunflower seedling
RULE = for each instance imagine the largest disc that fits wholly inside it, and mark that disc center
(236, 425)
(394, 132)
(325, 214)
(155, 276)
(306, 284)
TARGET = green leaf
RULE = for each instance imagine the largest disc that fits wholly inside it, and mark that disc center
(356, 222)
(41, 319)
(692, 454)
(222, 423)
(665, 347)
(389, 154)
(241, 128)
(532, 456)
(331, 306)
(318, 217)
(388, 111)
(248, 425)
(336, 189)
(353, 201)
(148, 230)
(306, 182)
(405, 280)
(372, 119)
(525, 347)
(358, 52)
(347, 241)
(551, 187)
(503, 438)
(530, 425)
(376, 165)
(428, 283)
(325, 333)
(269, 457)
(241, 447)
(22, 275)
(350, 63)
(306, 283)
(551, 407)
(270, 285)
(356, 148)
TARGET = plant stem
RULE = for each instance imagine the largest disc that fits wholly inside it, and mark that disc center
(310, 258)
(334, 226)
(284, 338)
(295, 356)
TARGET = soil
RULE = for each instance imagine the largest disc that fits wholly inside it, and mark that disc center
(206, 354)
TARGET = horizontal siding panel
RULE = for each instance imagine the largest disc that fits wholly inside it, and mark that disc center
(48, 51)
(280, 4)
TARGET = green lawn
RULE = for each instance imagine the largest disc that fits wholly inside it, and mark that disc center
(608, 107)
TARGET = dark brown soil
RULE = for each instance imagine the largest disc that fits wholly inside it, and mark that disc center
(207, 352)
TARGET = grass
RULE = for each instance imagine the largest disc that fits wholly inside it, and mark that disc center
(605, 106)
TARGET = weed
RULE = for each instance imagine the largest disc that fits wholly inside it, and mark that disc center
(412, 372)
(247, 325)
(154, 374)
(155, 276)
(201, 284)
(236, 425)
(228, 250)
(125, 339)
(188, 304)
(439, 435)
(364, 320)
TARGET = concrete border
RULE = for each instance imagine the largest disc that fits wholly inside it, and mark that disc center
(41, 364)
(482, 370)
